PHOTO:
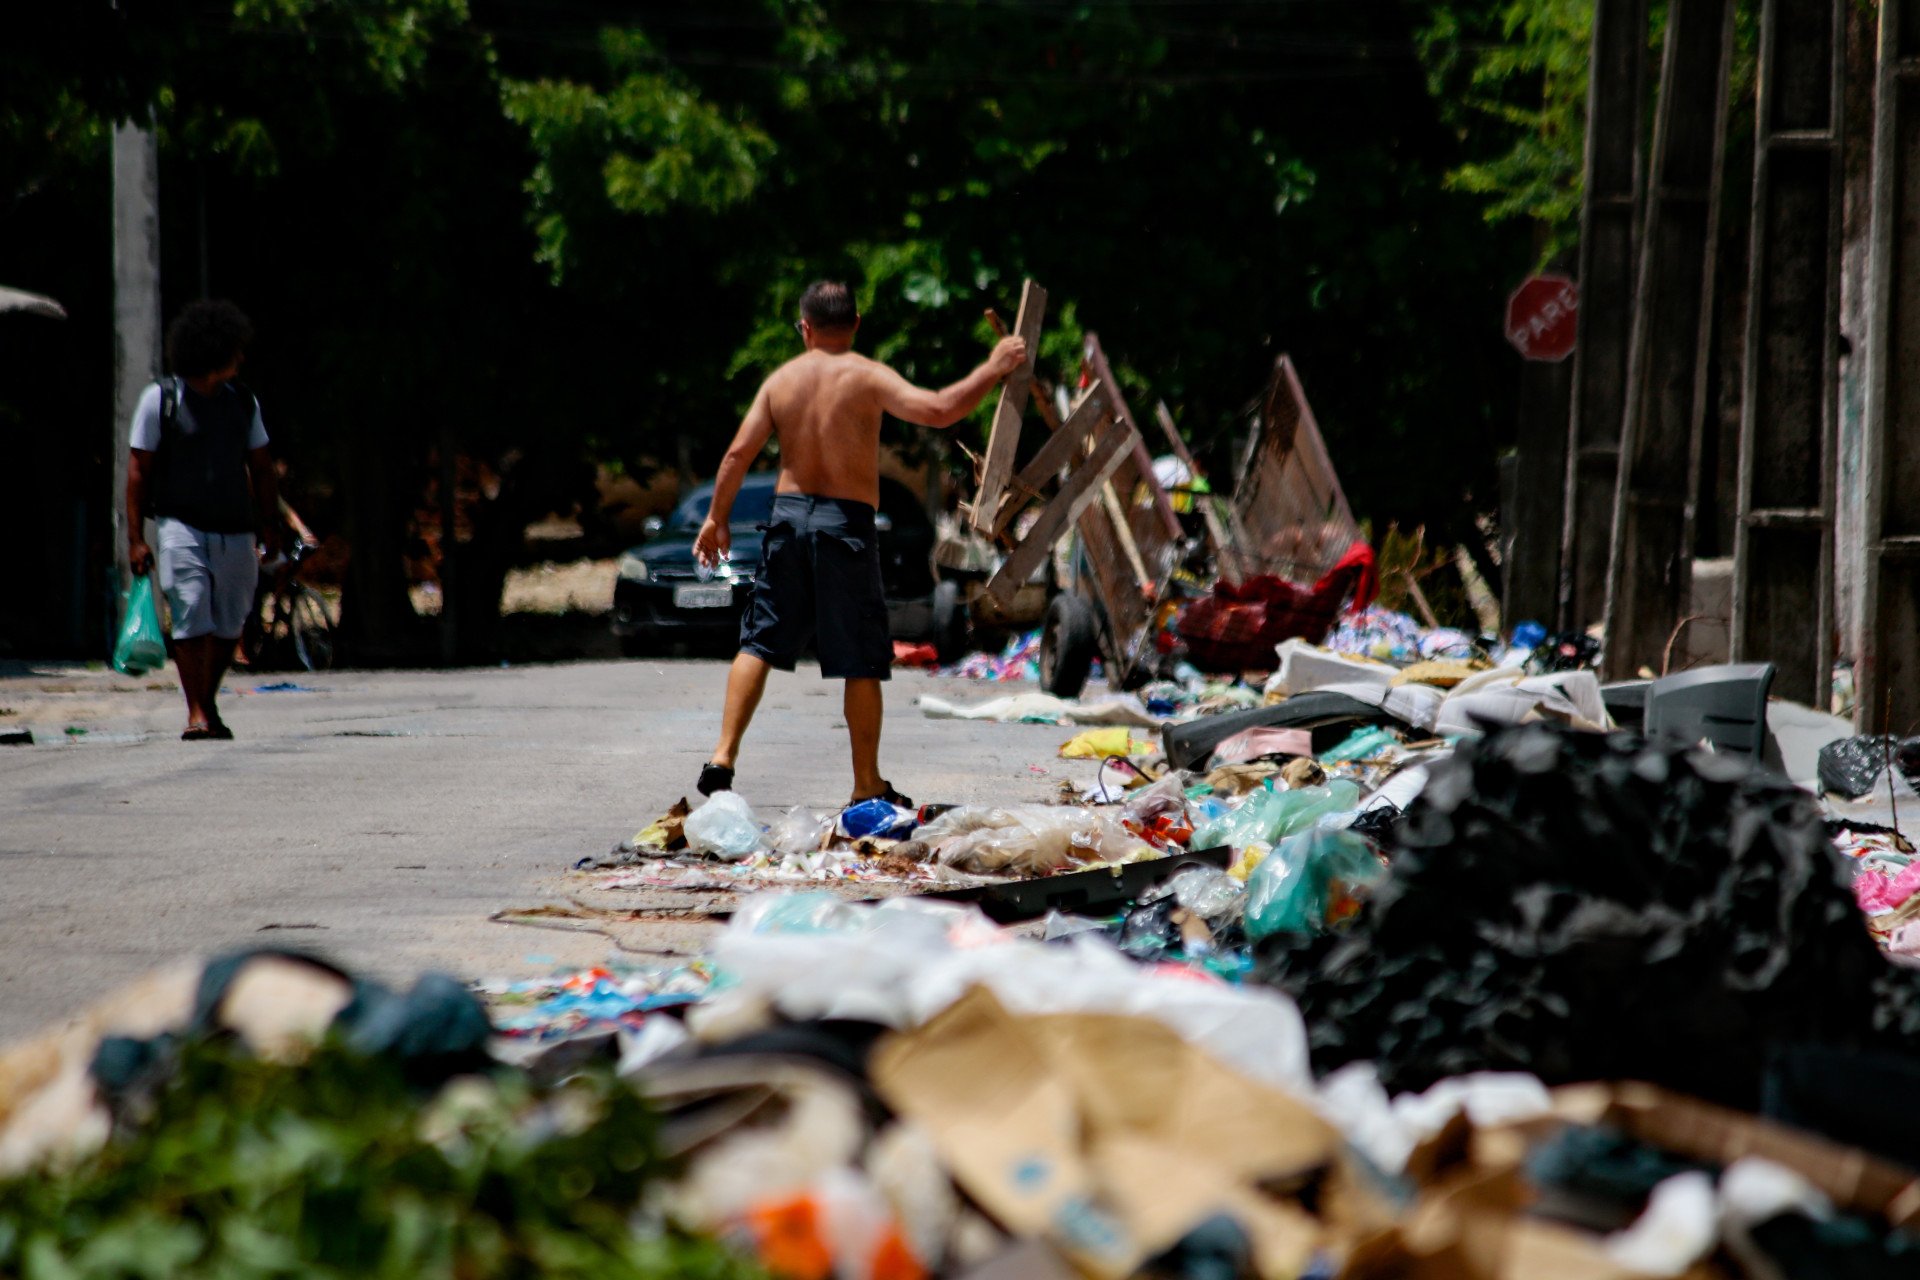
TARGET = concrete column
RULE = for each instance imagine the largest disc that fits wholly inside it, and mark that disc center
(136, 302)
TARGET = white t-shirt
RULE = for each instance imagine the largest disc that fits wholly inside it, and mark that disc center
(146, 422)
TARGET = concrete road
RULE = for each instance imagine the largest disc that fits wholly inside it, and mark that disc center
(382, 817)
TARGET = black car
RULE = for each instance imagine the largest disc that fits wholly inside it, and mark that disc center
(659, 599)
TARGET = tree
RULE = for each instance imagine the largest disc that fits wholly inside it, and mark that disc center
(1207, 186)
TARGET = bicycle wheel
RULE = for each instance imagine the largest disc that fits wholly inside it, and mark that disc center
(312, 629)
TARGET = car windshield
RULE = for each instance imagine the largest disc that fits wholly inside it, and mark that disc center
(750, 506)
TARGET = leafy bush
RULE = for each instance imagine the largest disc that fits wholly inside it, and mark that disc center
(240, 1169)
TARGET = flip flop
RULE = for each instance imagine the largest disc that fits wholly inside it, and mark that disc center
(891, 796)
(219, 732)
(197, 733)
(714, 777)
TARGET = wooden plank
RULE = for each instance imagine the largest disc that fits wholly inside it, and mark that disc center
(1061, 450)
(1226, 555)
(1111, 501)
(1164, 416)
(1003, 443)
(1129, 609)
(1081, 490)
(1650, 571)
(1042, 389)
(1609, 251)
(1289, 514)
(1789, 406)
(1887, 674)
(1097, 366)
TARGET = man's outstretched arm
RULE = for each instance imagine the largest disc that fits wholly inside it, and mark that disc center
(948, 405)
(715, 537)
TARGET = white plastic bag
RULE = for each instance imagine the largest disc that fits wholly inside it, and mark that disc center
(802, 830)
(725, 827)
(1025, 839)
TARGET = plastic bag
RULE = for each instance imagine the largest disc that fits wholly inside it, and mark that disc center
(1209, 893)
(1268, 816)
(724, 826)
(1309, 882)
(1850, 766)
(142, 646)
(1026, 839)
(877, 818)
(802, 830)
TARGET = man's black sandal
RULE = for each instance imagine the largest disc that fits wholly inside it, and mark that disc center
(891, 796)
(714, 777)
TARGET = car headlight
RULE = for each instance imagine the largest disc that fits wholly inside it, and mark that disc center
(633, 568)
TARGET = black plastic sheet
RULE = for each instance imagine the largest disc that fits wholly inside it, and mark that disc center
(1597, 907)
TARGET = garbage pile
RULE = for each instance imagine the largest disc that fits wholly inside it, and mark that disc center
(1551, 889)
(1301, 1014)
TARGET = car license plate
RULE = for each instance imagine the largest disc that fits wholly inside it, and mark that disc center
(703, 595)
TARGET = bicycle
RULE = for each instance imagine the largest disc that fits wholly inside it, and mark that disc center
(289, 617)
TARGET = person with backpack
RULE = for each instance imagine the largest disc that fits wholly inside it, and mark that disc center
(199, 466)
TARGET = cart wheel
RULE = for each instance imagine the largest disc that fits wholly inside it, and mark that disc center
(1069, 642)
(949, 622)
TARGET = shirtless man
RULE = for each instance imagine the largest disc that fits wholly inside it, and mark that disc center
(819, 571)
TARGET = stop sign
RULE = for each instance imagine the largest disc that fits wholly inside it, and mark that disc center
(1542, 315)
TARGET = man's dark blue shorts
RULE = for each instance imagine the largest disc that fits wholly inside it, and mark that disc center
(819, 579)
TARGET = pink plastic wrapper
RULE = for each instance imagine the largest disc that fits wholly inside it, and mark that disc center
(1877, 893)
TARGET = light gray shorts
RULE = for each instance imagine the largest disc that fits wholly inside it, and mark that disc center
(209, 579)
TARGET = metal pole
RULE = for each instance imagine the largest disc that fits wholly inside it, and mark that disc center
(1536, 516)
(1650, 570)
(1888, 678)
(1783, 539)
(136, 304)
(1609, 239)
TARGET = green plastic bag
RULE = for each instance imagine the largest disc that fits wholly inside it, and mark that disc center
(1309, 883)
(1266, 816)
(143, 645)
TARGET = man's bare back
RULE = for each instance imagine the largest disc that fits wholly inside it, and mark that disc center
(825, 407)
(826, 412)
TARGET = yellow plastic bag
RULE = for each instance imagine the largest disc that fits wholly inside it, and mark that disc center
(1098, 744)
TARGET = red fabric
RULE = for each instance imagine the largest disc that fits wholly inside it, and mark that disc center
(906, 654)
(1237, 627)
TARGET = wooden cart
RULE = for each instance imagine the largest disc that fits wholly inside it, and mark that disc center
(1093, 477)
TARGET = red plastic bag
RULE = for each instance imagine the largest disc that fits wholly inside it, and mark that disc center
(1236, 627)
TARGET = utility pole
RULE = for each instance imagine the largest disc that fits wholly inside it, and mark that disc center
(1783, 541)
(1650, 570)
(1609, 240)
(136, 305)
(1888, 678)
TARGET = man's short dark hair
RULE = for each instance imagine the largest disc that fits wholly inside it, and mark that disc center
(828, 304)
(207, 337)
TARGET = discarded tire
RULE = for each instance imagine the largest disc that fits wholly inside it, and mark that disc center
(1069, 642)
(1597, 907)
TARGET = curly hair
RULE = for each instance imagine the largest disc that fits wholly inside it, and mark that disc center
(207, 337)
